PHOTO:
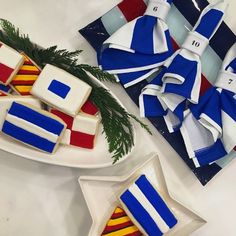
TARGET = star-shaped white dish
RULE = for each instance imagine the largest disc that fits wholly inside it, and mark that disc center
(101, 195)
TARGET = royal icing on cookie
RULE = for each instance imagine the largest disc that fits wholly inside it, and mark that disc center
(120, 225)
(3, 94)
(23, 81)
(81, 130)
(147, 208)
(10, 63)
(5, 88)
(6, 102)
(61, 90)
(34, 127)
(89, 108)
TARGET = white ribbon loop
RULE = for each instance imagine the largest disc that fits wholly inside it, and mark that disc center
(195, 43)
(226, 80)
(159, 9)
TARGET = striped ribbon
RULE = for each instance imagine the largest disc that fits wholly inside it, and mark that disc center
(209, 128)
(138, 48)
(180, 79)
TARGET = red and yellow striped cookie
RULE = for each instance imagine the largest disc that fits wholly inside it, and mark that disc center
(120, 225)
(25, 78)
(3, 94)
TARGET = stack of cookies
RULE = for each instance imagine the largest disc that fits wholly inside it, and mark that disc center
(44, 108)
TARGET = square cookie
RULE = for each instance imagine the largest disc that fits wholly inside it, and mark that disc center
(23, 81)
(10, 63)
(61, 90)
(33, 127)
(120, 224)
(147, 209)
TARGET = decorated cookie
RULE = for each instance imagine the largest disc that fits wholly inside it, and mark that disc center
(5, 88)
(147, 209)
(10, 63)
(81, 130)
(33, 127)
(23, 81)
(120, 225)
(61, 90)
(6, 102)
(3, 94)
(89, 108)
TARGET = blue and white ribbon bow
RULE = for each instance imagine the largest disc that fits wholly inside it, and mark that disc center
(209, 128)
(180, 79)
(138, 48)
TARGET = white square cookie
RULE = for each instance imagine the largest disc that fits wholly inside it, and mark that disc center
(61, 90)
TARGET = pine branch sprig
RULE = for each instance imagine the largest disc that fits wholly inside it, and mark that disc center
(117, 126)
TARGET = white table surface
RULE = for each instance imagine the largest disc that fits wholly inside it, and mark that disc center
(38, 199)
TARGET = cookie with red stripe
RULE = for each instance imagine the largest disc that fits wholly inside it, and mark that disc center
(120, 224)
(27, 75)
(81, 130)
(10, 63)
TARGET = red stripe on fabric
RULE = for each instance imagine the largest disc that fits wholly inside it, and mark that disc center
(66, 118)
(118, 215)
(82, 140)
(22, 82)
(131, 9)
(109, 229)
(28, 72)
(89, 108)
(5, 73)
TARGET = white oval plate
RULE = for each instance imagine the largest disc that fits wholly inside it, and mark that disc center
(68, 156)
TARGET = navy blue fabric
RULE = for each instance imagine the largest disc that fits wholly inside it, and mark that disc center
(95, 33)
(155, 199)
(209, 155)
(36, 118)
(140, 214)
(209, 22)
(27, 137)
(59, 88)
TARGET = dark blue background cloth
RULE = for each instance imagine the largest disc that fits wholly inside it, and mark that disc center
(96, 34)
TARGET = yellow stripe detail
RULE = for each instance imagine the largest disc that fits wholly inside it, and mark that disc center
(29, 68)
(119, 210)
(122, 232)
(23, 88)
(25, 77)
(118, 221)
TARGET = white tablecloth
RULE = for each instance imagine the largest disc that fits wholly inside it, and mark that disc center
(38, 199)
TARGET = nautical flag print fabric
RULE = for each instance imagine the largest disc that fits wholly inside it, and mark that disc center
(61, 90)
(147, 208)
(81, 130)
(120, 225)
(3, 94)
(5, 88)
(22, 83)
(180, 80)
(209, 128)
(136, 50)
(33, 127)
(10, 63)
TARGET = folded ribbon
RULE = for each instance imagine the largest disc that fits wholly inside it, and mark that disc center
(209, 128)
(180, 81)
(139, 47)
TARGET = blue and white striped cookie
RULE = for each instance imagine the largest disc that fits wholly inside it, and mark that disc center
(147, 209)
(34, 127)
